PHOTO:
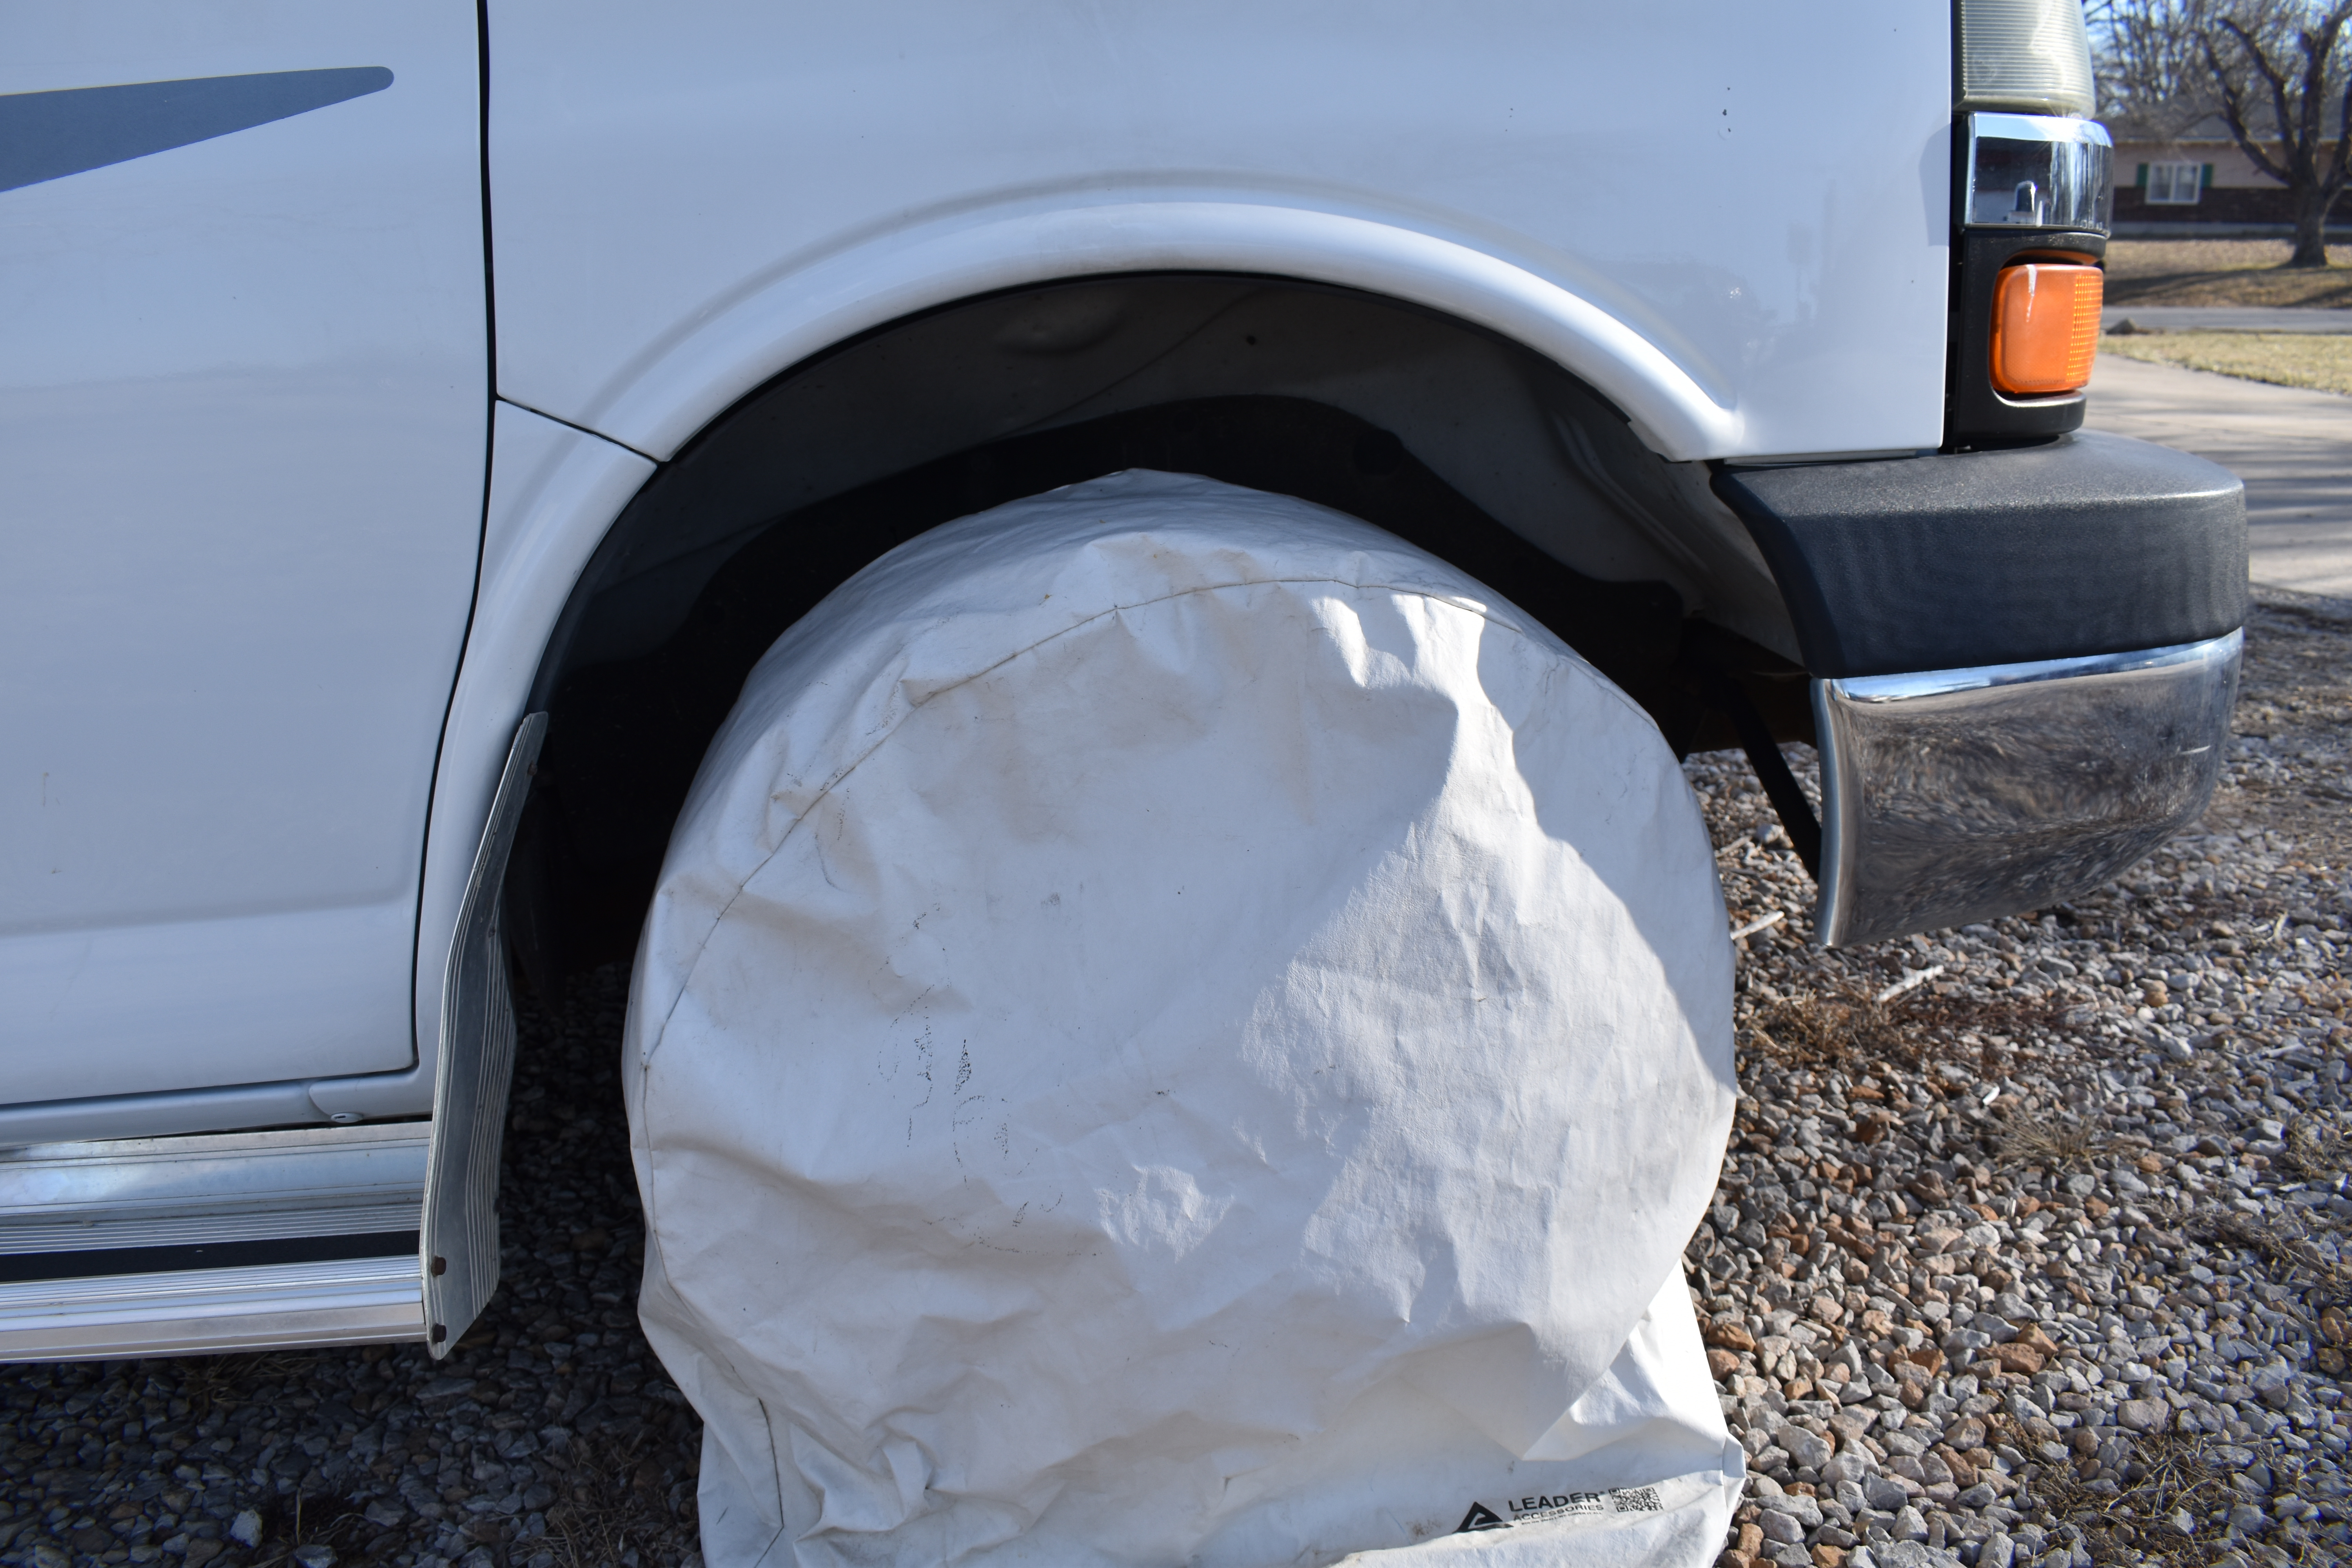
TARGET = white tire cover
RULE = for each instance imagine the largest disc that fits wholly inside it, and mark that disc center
(1179, 1028)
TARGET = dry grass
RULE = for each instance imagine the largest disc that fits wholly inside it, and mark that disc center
(2320, 361)
(2136, 258)
(615, 1494)
(2053, 1145)
(2294, 1255)
(209, 1382)
(1849, 1027)
(2163, 1512)
(1832, 1030)
(2220, 272)
(2314, 1152)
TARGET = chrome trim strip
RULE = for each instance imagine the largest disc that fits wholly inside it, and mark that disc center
(1957, 795)
(365, 1300)
(2040, 128)
(2063, 165)
(1901, 688)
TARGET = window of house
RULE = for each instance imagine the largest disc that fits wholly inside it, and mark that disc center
(2174, 185)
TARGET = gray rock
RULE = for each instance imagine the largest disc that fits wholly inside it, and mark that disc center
(2272, 1386)
(245, 1529)
(1804, 1447)
(1909, 1553)
(1780, 1527)
(1908, 1525)
(1847, 1465)
(1996, 1551)
(1885, 1493)
(2143, 1415)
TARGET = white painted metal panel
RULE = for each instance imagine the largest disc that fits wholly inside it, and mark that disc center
(1731, 218)
(553, 492)
(243, 415)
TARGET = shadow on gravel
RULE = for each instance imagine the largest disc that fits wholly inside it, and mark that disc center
(548, 1439)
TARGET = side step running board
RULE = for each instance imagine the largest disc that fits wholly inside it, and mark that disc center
(143, 1247)
(301, 1236)
(359, 1302)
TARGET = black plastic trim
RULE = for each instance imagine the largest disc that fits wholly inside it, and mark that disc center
(2090, 543)
(1764, 754)
(1979, 415)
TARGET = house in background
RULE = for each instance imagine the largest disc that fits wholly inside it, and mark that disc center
(2197, 177)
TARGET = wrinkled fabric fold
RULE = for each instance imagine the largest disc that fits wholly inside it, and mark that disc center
(1177, 1027)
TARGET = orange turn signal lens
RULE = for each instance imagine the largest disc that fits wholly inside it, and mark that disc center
(2045, 327)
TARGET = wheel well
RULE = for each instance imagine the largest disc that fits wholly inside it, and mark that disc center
(1462, 443)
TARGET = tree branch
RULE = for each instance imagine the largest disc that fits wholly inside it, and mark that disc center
(2331, 33)
(2340, 165)
(2233, 107)
(2276, 77)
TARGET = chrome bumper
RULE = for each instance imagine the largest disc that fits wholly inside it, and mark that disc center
(1964, 794)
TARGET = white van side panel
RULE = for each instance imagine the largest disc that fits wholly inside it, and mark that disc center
(1730, 218)
(244, 409)
(554, 491)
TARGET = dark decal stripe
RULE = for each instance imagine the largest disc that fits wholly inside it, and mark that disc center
(48, 135)
(24, 1267)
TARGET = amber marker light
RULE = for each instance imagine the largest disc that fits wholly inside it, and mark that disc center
(2045, 327)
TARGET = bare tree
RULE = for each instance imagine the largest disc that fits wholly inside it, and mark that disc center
(2151, 61)
(2282, 63)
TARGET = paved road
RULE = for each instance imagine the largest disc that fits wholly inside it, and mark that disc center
(2293, 447)
(2225, 319)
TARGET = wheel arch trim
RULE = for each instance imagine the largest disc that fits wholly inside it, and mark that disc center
(659, 401)
(561, 478)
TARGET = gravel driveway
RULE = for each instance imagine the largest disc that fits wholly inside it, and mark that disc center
(2030, 1247)
(550, 1436)
(2029, 1250)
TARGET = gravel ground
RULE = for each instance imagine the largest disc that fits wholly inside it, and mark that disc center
(2029, 1247)
(2037, 1261)
(550, 1436)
